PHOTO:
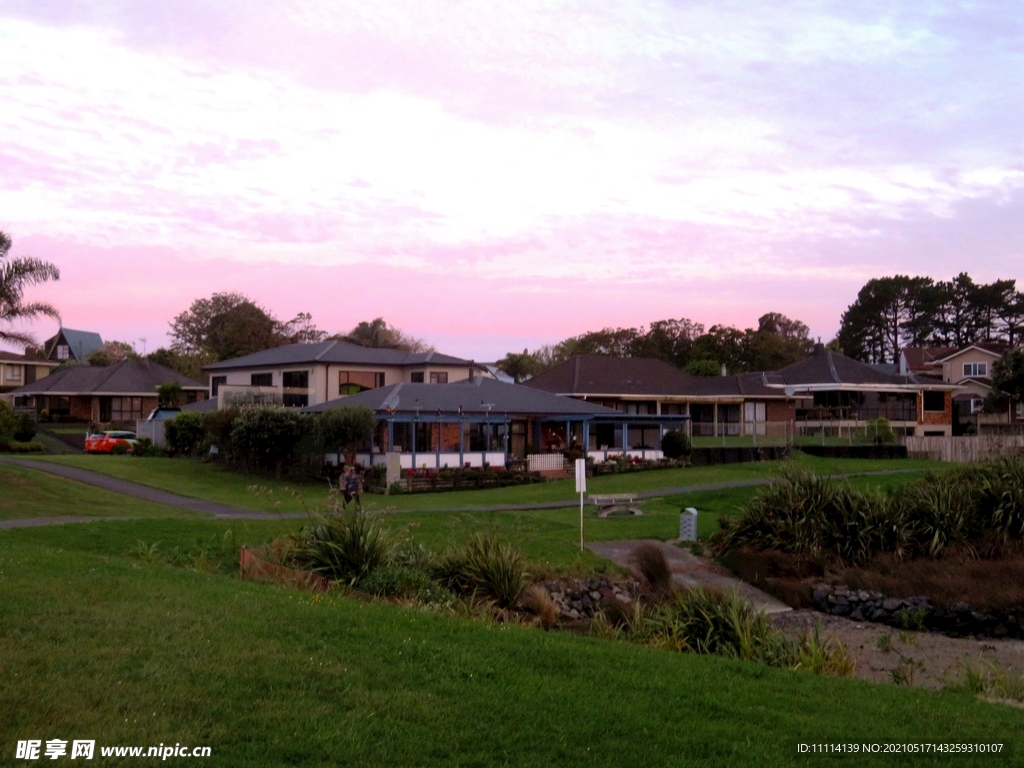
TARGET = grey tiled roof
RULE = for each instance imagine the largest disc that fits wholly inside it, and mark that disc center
(469, 397)
(126, 377)
(598, 375)
(334, 352)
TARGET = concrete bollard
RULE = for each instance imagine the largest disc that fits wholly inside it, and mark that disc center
(688, 524)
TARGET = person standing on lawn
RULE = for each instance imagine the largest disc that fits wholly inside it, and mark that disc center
(351, 489)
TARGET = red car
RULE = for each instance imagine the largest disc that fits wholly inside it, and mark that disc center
(105, 442)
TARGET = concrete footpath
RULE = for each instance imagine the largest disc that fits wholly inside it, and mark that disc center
(691, 571)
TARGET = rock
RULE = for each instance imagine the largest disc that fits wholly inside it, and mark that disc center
(819, 596)
(842, 591)
(595, 595)
(877, 614)
(574, 614)
(864, 595)
(857, 614)
(587, 604)
(891, 604)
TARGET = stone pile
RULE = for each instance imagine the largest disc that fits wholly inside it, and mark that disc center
(583, 598)
(959, 620)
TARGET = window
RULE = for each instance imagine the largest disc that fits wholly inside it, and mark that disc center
(977, 405)
(295, 401)
(125, 408)
(14, 372)
(63, 352)
(934, 401)
(1020, 411)
(215, 382)
(439, 377)
(350, 382)
(262, 379)
(416, 377)
(295, 380)
(975, 369)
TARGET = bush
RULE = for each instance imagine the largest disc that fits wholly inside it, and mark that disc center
(15, 446)
(25, 426)
(343, 429)
(346, 547)
(146, 448)
(218, 425)
(653, 566)
(485, 567)
(120, 450)
(675, 444)
(401, 581)
(8, 419)
(880, 432)
(185, 434)
(266, 437)
(396, 488)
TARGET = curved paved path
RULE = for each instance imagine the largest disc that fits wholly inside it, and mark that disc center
(219, 510)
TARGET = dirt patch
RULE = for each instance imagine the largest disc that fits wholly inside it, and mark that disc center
(886, 655)
(988, 583)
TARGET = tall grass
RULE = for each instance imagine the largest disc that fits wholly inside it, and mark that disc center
(484, 566)
(823, 517)
(346, 547)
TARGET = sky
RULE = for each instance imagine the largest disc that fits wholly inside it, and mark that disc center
(491, 176)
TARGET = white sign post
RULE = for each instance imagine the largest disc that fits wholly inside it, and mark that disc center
(581, 488)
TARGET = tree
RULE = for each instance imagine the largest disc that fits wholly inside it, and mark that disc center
(519, 366)
(703, 367)
(343, 429)
(111, 352)
(1008, 377)
(266, 437)
(241, 330)
(170, 393)
(889, 313)
(15, 276)
(377, 334)
(777, 342)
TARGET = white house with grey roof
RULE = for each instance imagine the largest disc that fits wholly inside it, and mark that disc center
(301, 375)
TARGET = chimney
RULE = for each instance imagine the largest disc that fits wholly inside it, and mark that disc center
(725, 371)
(472, 365)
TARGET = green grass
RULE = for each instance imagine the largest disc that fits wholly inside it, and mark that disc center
(96, 645)
(27, 493)
(212, 482)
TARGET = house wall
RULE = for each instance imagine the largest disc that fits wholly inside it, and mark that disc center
(953, 369)
(935, 421)
(777, 410)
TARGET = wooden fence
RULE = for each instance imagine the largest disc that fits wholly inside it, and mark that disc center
(963, 450)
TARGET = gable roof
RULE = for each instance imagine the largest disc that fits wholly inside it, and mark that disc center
(826, 369)
(334, 352)
(81, 343)
(128, 377)
(477, 397)
(995, 350)
(924, 358)
(600, 375)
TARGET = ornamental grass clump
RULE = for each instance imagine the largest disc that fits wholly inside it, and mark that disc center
(650, 560)
(485, 567)
(347, 547)
(1002, 497)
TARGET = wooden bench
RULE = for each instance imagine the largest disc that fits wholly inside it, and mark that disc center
(615, 502)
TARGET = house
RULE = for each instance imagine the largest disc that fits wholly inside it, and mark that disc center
(71, 345)
(481, 420)
(717, 405)
(301, 375)
(121, 393)
(18, 370)
(836, 393)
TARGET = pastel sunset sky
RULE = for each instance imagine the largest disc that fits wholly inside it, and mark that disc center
(497, 175)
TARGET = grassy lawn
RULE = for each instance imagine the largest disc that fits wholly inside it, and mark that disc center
(97, 645)
(27, 493)
(210, 481)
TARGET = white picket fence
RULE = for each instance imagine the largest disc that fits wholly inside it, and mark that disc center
(963, 450)
(546, 462)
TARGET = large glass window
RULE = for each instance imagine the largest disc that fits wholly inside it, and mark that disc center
(14, 373)
(295, 380)
(125, 408)
(215, 382)
(439, 377)
(975, 369)
(416, 377)
(294, 401)
(934, 401)
(262, 379)
(351, 382)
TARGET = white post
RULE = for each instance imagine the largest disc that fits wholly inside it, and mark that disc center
(581, 488)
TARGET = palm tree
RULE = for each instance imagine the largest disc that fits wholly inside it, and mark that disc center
(16, 275)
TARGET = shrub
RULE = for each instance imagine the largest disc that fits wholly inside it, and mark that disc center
(1001, 491)
(675, 444)
(120, 450)
(396, 488)
(537, 601)
(14, 446)
(653, 566)
(185, 434)
(342, 429)
(880, 432)
(8, 419)
(146, 448)
(266, 437)
(218, 425)
(25, 426)
(346, 547)
(486, 567)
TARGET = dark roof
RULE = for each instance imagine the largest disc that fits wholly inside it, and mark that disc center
(334, 352)
(126, 377)
(14, 357)
(598, 375)
(469, 397)
(81, 343)
(744, 385)
(922, 358)
(203, 406)
(827, 367)
(996, 348)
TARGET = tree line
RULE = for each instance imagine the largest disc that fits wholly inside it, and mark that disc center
(891, 313)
